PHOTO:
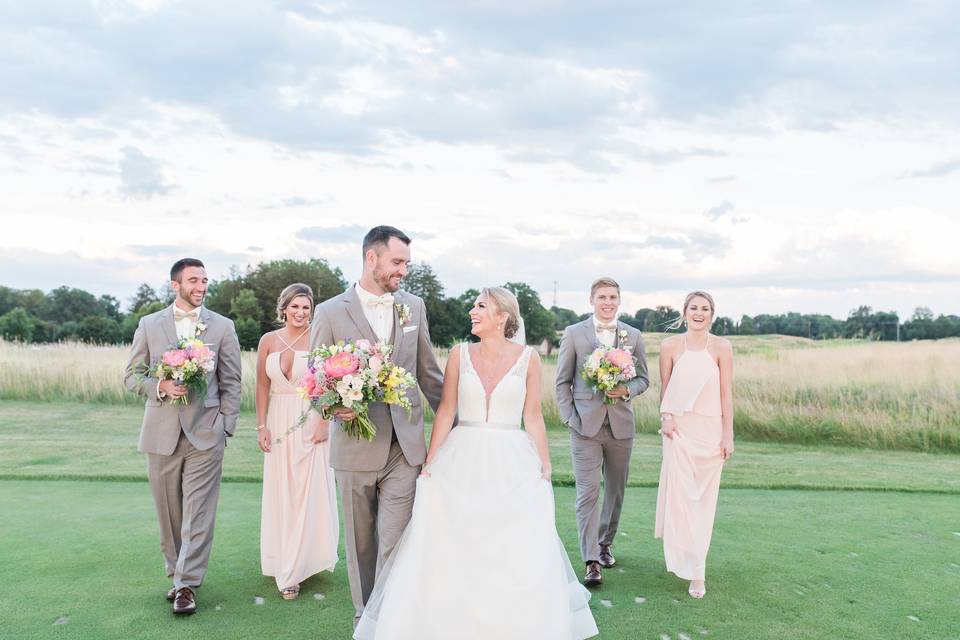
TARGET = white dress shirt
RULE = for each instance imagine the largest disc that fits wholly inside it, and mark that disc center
(379, 312)
(606, 337)
(186, 327)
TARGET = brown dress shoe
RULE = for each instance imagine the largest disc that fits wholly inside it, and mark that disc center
(171, 594)
(592, 578)
(606, 558)
(184, 602)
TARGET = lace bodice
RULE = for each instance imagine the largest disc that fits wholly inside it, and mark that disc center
(504, 407)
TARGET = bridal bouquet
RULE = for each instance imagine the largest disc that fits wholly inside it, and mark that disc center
(187, 364)
(607, 368)
(351, 375)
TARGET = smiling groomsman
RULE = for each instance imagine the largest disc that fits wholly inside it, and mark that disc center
(601, 434)
(184, 443)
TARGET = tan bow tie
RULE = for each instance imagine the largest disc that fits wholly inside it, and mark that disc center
(380, 301)
(606, 327)
(179, 314)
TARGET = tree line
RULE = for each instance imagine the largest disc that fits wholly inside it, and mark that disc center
(249, 298)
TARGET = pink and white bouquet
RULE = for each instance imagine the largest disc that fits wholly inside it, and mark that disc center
(351, 375)
(607, 368)
(187, 364)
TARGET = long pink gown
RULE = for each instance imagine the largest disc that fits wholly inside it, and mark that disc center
(691, 466)
(299, 527)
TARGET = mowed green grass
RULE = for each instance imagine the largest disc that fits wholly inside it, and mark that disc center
(63, 440)
(784, 564)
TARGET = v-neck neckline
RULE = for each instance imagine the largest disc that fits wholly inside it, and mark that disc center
(502, 378)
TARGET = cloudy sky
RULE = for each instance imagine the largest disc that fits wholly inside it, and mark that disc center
(784, 155)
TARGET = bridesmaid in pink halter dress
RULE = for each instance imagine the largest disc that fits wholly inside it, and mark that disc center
(299, 529)
(696, 413)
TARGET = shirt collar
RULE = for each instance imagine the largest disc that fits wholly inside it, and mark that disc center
(365, 295)
(597, 323)
(199, 310)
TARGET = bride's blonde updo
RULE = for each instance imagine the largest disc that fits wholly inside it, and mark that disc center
(506, 303)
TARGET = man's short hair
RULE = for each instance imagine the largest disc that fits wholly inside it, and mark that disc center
(381, 236)
(603, 282)
(182, 264)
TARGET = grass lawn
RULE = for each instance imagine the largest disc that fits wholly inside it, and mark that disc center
(784, 564)
(63, 440)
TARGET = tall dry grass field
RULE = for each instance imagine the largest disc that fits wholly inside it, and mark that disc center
(884, 395)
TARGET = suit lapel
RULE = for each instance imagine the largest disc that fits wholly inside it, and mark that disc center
(169, 326)
(355, 311)
(589, 334)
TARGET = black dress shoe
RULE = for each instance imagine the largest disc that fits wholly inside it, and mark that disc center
(184, 602)
(593, 577)
(606, 558)
(171, 594)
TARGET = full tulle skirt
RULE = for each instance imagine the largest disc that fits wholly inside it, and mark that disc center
(687, 495)
(299, 527)
(481, 558)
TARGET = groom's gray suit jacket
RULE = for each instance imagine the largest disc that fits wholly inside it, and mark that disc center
(583, 409)
(204, 421)
(342, 318)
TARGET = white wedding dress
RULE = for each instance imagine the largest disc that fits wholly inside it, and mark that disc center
(481, 557)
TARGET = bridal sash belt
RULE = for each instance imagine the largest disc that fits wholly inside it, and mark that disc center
(487, 425)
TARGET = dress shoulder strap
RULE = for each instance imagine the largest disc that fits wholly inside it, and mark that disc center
(523, 362)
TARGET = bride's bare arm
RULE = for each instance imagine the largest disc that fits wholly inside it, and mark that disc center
(533, 415)
(443, 421)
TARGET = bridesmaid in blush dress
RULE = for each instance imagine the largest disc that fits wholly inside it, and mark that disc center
(299, 529)
(696, 414)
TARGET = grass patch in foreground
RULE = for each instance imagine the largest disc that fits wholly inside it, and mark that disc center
(784, 564)
(47, 440)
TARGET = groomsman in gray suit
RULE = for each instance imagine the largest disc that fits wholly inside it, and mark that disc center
(377, 479)
(185, 443)
(601, 434)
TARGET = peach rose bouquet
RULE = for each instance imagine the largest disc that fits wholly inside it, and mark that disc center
(186, 364)
(607, 368)
(352, 375)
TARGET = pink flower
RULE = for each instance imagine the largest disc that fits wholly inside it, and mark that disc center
(309, 383)
(175, 358)
(341, 364)
(363, 344)
(619, 358)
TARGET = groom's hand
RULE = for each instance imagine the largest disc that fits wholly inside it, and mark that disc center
(344, 415)
(618, 392)
(171, 389)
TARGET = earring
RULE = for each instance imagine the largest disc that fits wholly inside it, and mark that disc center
(499, 327)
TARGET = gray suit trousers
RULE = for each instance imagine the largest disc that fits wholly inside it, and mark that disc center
(593, 457)
(376, 509)
(186, 488)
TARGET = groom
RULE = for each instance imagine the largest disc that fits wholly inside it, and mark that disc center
(184, 443)
(377, 479)
(601, 434)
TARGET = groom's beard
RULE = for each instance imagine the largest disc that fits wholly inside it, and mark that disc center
(385, 280)
(187, 300)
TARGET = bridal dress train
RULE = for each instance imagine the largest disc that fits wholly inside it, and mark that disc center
(481, 557)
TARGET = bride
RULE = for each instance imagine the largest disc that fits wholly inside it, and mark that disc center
(481, 557)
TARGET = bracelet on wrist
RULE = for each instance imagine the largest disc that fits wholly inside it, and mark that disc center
(261, 427)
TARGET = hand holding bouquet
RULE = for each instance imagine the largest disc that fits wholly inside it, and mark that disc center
(187, 364)
(351, 375)
(608, 368)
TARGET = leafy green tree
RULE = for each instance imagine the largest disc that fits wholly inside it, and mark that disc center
(538, 320)
(661, 319)
(563, 318)
(723, 326)
(248, 332)
(30, 299)
(8, 300)
(144, 295)
(65, 304)
(98, 330)
(17, 325)
(245, 305)
(626, 318)
(449, 322)
(746, 326)
(268, 279)
(67, 331)
(110, 307)
(130, 322)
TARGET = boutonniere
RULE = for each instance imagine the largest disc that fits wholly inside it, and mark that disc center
(200, 328)
(622, 335)
(403, 310)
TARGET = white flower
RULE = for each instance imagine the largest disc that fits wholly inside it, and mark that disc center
(376, 365)
(354, 395)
